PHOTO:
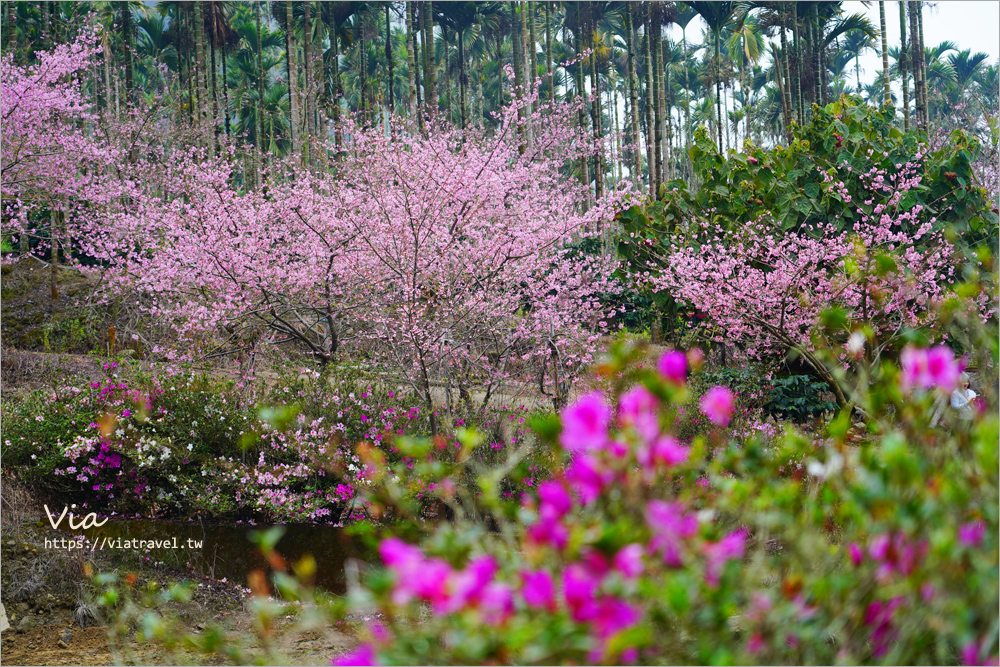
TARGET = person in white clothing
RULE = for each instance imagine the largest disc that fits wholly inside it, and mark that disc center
(961, 398)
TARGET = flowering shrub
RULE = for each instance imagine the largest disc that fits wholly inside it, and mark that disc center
(639, 550)
(170, 445)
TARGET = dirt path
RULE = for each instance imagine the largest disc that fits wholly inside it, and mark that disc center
(49, 603)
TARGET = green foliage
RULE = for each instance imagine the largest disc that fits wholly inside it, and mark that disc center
(794, 183)
(798, 397)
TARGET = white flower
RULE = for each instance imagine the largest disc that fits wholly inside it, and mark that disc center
(856, 343)
(190, 447)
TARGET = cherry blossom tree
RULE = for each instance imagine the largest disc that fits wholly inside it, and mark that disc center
(767, 290)
(448, 257)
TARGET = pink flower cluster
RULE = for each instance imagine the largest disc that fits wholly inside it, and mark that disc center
(448, 591)
(926, 369)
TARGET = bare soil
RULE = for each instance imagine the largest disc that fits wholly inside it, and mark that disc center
(54, 621)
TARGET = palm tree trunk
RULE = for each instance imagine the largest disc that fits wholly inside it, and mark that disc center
(916, 66)
(597, 118)
(462, 80)
(127, 44)
(902, 65)
(663, 124)
(225, 94)
(109, 92)
(527, 53)
(202, 62)
(887, 95)
(667, 119)
(391, 63)
(818, 47)
(447, 72)
(636, 166)
(260, 100)
(12, 32)
(215, 89)
(531, 51)
(923, 62)
(656, 65)
(418, 81)
(797, 42)
(516, 44)
(582, 113)
(308, 131)
(718, 87)
(411, 63)
(786, 58)
(782, 90)
(430, 58)
(687, 101)
(548, 52)
(647, 54)
(290, 69)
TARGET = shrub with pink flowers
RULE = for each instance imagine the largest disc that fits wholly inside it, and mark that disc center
(639, 548)
(179, 444)
(884, 553)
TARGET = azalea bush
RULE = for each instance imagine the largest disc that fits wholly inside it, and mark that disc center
(172, 444)
(642, 550)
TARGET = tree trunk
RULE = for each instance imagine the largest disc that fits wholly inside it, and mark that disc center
(447, 73)
(215, 90)
(785, 112)
(292, 72)
(127, 46)
(687, 103)
(662, 107)
(12, 31)
(717, 69)
(647, 55)
(596, 117)
(411, 62)
(54, 254)
(516, 44)
(887, 95)
(923, 62)
(818, 47)
(582, 114)
(462, 80)
(530, 52)
(797, 42)
(790, 114)
(392, 65)
(204, 108)
(902, 65)
(636, 165)
(430, 58)
(527, 52)
(308, 131)
(915, 64)
(259, 158)
(656, 66)
(225, 94)
(668, 170)
(548, 52)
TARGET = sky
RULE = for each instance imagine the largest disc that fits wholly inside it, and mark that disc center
(972, 25)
